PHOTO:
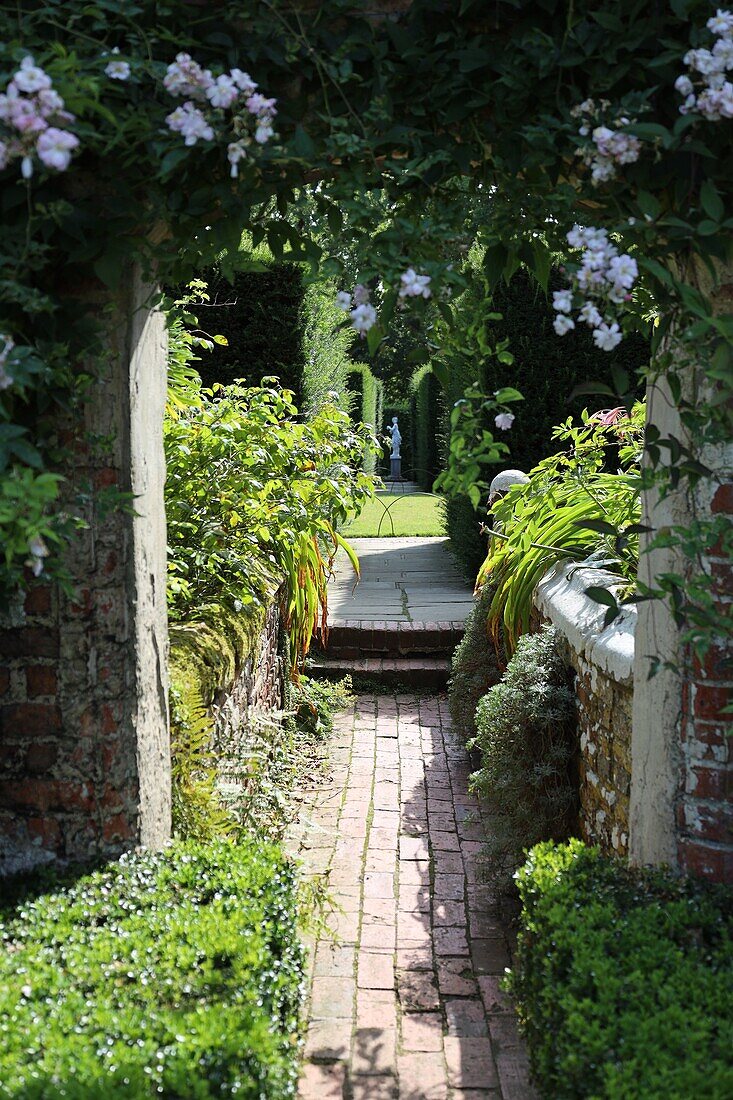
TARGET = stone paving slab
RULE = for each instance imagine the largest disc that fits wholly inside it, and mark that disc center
(402, 579)
(405, 1003)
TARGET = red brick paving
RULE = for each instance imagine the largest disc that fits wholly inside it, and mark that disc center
(406, 1004)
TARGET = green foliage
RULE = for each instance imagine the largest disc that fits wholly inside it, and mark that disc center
(425, 393)
(475, 667)
(176, 973)
(468, 544)
(314, 703)
(327, 344)
(545, 369)
(526, 735)
(570, 508)
(252, 491)
(623, 979)
(366, 405)
(261, 316)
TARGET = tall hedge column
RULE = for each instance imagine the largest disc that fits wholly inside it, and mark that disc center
(84, 748)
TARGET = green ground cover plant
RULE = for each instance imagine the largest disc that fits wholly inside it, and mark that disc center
(623, 979)
(399, 515)
(475, 667)
(178, 973)
(526, 736)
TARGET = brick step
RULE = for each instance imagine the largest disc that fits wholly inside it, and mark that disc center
(353, 639)
(426, 672)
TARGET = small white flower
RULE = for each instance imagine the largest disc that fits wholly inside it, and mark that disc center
(363, 318)
(414, 285)
(223, 92)
(54, 148)
(236, 150)
(244, 82)
(607, 337)
(30, 77)
(721, 23)
(563, 324)
(343, 300)
(117, 70)
(189, 121)
(38, 551)
(263, 133)
(723, 50)
(26, 168)
(504, 421)
(683, 84)
(589, 313)
(361, 294)
(562, 301)
(623, 270)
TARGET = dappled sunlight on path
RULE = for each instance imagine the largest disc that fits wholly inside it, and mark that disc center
(406, 1002)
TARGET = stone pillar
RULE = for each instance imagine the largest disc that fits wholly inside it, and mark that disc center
(84, 744)
(682, 779)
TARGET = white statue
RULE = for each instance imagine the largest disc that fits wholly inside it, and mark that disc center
(394, 431)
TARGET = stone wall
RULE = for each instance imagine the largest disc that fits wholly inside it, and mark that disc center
(602, 659)
(84, 747)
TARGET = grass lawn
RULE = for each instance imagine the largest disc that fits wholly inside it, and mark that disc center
(409, 514)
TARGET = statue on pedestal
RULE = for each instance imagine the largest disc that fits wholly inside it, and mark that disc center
(395, 458)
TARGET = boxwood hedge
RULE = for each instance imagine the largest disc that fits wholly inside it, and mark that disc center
(175, 974)
(624, 979)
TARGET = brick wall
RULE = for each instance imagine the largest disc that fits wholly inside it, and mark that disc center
(84, 751)
(705, 804)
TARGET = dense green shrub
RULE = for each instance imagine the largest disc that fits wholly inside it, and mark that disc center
(177, 973)
(327, 344)
(468, 542)
(425, 396)
(253, 490)
(623, 979)
(475, 668)
(367, 405)
(526, 736)
(262, 317)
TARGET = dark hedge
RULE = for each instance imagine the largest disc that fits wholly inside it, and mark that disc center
(261, 316)
(425, 393)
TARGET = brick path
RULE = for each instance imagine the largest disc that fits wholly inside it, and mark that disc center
(407, 1002)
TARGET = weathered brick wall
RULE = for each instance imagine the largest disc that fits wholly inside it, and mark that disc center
(84, 749)
(602, 659)
(705, 802)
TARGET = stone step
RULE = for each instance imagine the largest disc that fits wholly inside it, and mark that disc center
(428, 673)
(352, 638)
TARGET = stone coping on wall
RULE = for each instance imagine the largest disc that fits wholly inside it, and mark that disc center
(562, 599)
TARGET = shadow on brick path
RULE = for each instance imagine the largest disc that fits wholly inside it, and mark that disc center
(405, 1003)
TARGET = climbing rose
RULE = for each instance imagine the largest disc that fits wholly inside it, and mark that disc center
(223, 92)
(562, 301)
(607, 337)
(117, 70)
(55, 147)
(563, 324)
(414, 285)
(363, 318)
(189, 121)
(186, 77)
(39, 551)
(31, 78)
(504, 421)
